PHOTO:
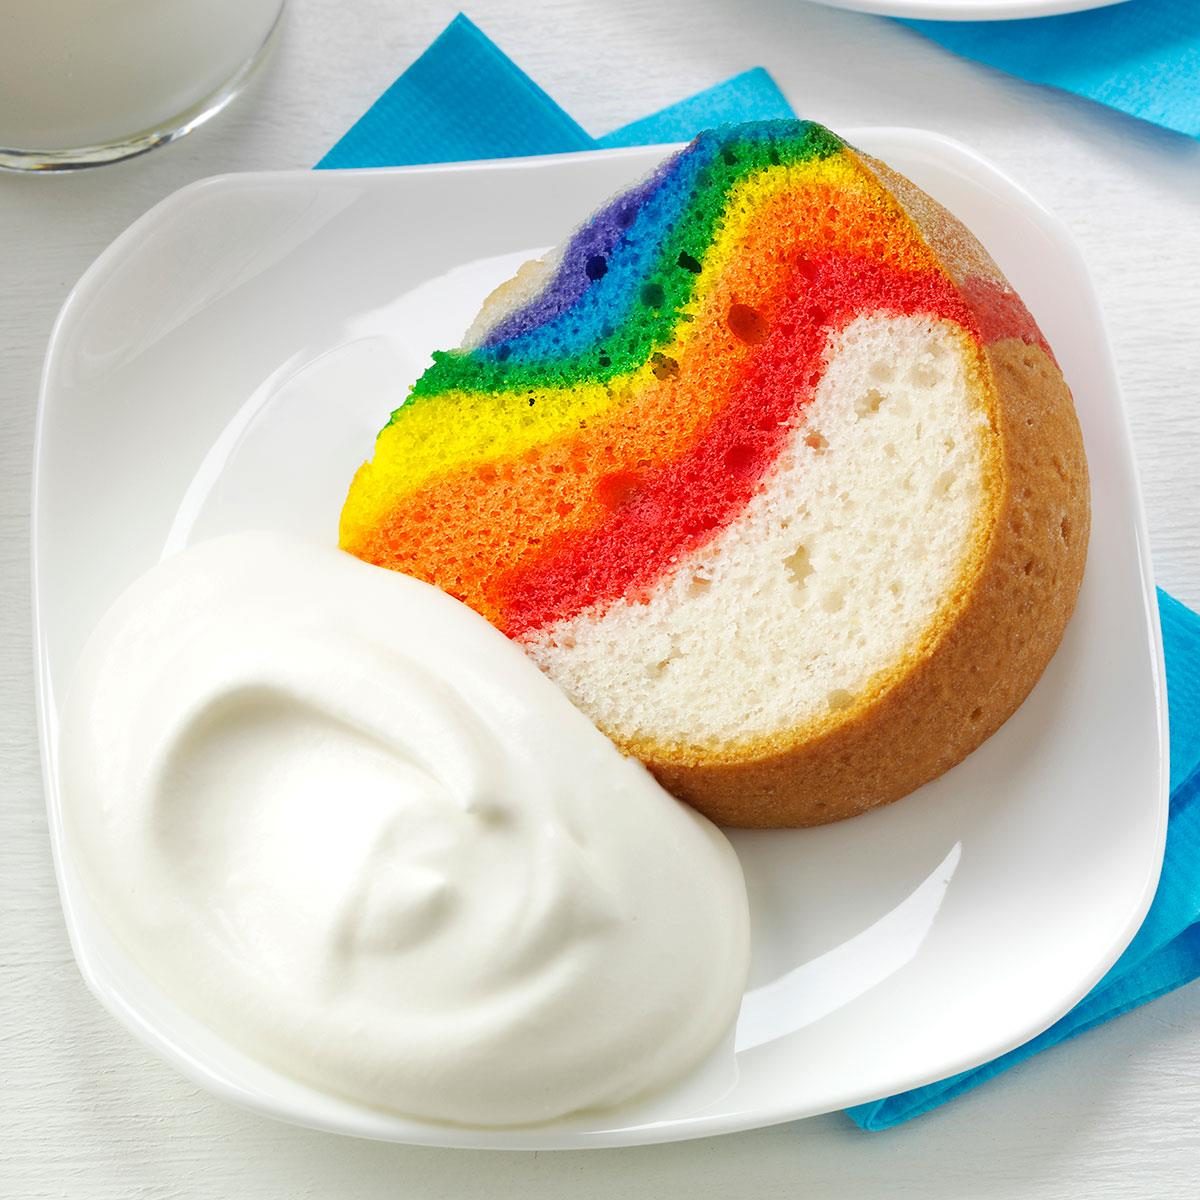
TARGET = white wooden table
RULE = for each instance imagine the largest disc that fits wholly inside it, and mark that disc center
(87, 1113)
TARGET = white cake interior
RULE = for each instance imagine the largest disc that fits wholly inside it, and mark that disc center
(836, 568)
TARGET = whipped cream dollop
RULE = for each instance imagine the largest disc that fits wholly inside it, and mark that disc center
(336, 815)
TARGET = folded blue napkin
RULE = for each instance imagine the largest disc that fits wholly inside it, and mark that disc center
(1142, 57)
(464, 99)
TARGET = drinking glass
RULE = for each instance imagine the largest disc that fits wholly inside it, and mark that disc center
(85, 82)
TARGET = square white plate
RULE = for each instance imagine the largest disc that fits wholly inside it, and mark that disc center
(226, 364)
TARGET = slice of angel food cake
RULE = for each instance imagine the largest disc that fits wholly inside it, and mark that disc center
(767, 466)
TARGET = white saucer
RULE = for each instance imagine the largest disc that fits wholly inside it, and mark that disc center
(226, 363)
(968, 10)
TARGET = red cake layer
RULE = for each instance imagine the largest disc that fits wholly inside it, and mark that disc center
(668, 512)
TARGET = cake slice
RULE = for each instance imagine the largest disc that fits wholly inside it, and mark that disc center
(767, 466)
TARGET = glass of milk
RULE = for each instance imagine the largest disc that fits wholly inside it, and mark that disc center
(84, 82)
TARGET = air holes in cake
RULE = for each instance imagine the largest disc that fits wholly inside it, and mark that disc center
(839, 699)
(564, 508)
(896, 588)
(814, 441)
(617, 489)
(943, 483)
(868, 405)
(664, 366)
(806, 269)
(923, 375)
(688, 263)
(1065, 530)
(663, 653)
(739, 459)
(889, 450)
(799, 566)
(699, 585)
(653, 295)
(976, 714)
(747, 324)
(833, 601)
(596, 267)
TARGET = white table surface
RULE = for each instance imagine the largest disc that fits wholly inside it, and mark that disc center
(86, 1112)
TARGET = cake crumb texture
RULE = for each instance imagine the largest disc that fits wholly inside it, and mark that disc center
(767, 466)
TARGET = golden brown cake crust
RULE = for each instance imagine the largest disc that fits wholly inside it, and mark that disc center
(985, 650)
(983, 665)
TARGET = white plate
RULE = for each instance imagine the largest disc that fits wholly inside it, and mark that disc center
(968, 10)
(226, 364)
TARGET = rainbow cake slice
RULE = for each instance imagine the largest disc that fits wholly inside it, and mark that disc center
(767, 466)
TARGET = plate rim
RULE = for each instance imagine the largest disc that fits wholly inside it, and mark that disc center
(546, 1137)
(956, 10)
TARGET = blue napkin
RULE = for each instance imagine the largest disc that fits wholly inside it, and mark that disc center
(464, 99)
(1142, 57)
